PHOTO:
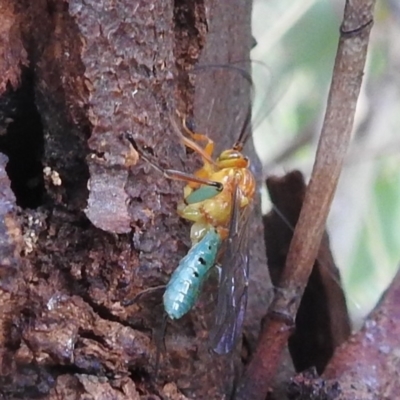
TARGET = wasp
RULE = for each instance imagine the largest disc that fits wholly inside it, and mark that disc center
(217, 199)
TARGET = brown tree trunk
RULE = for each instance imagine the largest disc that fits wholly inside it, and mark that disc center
(87, 225)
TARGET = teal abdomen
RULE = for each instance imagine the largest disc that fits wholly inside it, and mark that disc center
(184, 287)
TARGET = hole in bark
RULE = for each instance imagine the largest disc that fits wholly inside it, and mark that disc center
(23, 144)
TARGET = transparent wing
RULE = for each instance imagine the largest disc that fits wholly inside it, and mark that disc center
(232, 291)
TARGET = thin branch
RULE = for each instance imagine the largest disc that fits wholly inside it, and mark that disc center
(333, 144)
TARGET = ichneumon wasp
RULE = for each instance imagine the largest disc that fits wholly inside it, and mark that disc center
(217, 199)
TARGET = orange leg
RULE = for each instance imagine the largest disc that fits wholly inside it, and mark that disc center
(199, 137)
(204, 153)
(173, 174)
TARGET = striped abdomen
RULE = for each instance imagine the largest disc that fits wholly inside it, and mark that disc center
(184, 286)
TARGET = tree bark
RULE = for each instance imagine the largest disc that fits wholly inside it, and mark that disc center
(88, 225)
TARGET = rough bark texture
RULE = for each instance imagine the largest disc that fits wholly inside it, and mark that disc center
(87, 225)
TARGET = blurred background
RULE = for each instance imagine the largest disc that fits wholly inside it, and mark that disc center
(297, 41)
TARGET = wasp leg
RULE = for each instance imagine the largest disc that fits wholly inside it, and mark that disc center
(183, 176)
(204, 153)
(129, 302)
(199, 137)
(173, 174)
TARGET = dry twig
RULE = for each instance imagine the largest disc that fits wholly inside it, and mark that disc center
(333, 144)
